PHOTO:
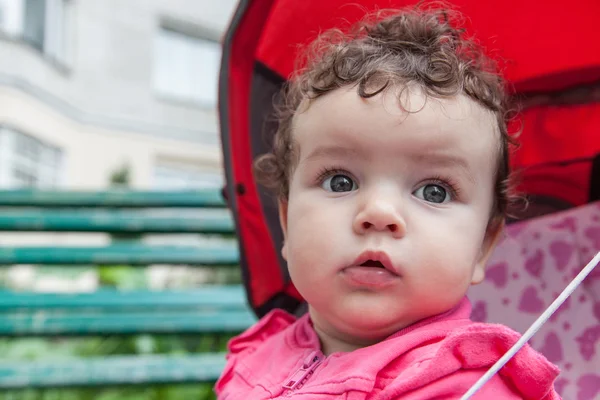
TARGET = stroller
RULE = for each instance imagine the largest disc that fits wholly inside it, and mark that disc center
(554, 73)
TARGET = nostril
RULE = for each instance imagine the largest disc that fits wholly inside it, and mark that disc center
(367, 225)
(393, 227)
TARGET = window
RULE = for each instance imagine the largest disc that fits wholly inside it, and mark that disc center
(34, 23)
(186, 68)
(180, 175)
(12, 16)
(27, 162)
(41, 23)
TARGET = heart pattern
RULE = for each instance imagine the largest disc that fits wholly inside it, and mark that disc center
(498, 274)
(593, 233)
(560, 384)
(530, 301)
(552, 348)
(479, 312)
(528, 270)
(561, 252)
(568, 223)
(589, 387)
(587, 342)
(534, 265)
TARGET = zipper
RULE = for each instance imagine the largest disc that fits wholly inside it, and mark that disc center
(301, 375)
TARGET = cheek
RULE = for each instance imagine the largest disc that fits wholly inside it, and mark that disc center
(454, 243)
(312, 217)
(447, 258)
(308, 227)
(319, 240)
(304, 222)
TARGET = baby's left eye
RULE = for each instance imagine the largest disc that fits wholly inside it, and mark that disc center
(433, 193)
(339, 183)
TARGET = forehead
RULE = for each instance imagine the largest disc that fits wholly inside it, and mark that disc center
(397, 122)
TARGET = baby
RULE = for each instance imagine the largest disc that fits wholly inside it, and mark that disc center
(391, 169)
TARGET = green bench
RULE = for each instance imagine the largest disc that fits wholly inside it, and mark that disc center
(211, 309)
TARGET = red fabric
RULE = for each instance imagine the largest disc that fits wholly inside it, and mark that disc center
(261, 256)
(547, 46)
(555, 134)
(567, 183)
(558, 133)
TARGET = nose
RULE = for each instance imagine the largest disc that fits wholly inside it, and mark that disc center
(380, 214)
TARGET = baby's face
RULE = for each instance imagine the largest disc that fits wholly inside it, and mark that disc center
(412, 192)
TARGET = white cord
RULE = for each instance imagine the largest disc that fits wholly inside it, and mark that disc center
(534, 328)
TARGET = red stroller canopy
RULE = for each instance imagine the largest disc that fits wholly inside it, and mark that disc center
(551, 56)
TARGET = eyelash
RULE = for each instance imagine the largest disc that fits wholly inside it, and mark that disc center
(326, 172)
(446, 182)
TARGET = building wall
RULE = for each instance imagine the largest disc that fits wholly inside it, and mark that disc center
(93, 152)
(98, 104)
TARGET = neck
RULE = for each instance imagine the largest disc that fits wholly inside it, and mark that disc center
(331, 344)
(333, 341)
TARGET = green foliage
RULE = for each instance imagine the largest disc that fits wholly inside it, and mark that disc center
(60, 348)
(125, 278)
(121, 176)
(167, 392)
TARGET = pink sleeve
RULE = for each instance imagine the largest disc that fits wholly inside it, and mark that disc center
(246, 343)
(454, 386)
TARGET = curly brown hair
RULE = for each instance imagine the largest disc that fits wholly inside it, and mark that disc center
(421, 45)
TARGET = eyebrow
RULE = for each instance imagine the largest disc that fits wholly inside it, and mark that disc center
(333, 151)
(446, 160)
(436, 159)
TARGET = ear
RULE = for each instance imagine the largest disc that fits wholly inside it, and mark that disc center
(283, 211)
(492, 237)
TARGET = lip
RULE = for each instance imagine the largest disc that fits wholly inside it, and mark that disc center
(376, 255)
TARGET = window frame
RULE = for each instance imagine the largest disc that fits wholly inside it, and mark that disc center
(46, 168)
(56, 26)
(191, 33)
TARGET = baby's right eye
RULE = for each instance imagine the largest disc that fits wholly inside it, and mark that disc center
(339, 183)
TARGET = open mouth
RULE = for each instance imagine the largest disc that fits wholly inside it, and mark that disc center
(372, 263)
(372, 269)
(375, 259)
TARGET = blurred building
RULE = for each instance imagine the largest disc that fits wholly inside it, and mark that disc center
(88, 87)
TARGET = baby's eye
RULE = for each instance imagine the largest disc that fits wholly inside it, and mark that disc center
(433, 193)
(339, 183)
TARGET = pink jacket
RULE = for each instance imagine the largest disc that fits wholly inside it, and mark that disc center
(438, 358)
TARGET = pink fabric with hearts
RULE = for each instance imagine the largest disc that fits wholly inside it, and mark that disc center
(531, 266)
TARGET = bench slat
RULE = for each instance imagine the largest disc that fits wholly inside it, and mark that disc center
(132, 221)
(111, 198)
(206, 310)
(122, 254)
(232, 296)
(112, 370)
(44, 323)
